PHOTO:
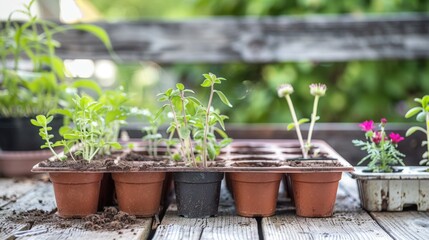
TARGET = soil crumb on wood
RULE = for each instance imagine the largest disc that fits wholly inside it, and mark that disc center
(111, 219)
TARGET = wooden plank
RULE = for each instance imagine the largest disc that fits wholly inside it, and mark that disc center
(404, 225)
(224, 226)
(259, 40)
(40, 198)
(347, 195)
(12, 189)
(349, 220)
(343, 225)
(139, 230)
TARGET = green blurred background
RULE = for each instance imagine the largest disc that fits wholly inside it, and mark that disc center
(357, 90)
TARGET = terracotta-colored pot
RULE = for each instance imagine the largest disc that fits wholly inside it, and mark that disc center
(255, 194)
(139, 193)
(19, 163)
(315, 193)
(76, 194)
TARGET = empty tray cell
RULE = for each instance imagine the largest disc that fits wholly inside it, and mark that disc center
(251, 152)
(256, 164)
(253, 158)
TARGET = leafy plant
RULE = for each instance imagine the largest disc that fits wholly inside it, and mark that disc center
(422, 113)
(152, 135)
(91, 131)
(196, 124)
(41, 87)
(381, 150)
(317, 90)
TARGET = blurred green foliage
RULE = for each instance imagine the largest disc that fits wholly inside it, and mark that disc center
(357, 90)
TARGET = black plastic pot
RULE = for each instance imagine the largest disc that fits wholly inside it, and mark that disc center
(18, 134)
(197, 193)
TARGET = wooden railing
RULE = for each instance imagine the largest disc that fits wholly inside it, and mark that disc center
(259, 40)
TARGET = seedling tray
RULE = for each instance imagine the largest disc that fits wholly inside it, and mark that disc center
(393, 191)
(242, 155)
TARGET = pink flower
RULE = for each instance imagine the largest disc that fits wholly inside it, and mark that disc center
(383, 121)
(367, 125)
(377, 138)
(395, 137)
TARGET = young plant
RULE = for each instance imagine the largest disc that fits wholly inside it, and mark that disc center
(152, 135)
(87, 133)
(196, 124)
(317, 90)
(382, 152)
(422, 113)
(27, 92)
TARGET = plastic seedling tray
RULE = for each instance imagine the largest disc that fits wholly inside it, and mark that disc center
(242, 155)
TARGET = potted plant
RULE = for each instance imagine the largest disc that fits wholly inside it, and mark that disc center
(314, 192)
(197, 193)
(32, 82)
(383, 187)
(85, 142)
(139, 193)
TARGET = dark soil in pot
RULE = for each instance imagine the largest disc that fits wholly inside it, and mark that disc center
(18, 134)
(197, 193)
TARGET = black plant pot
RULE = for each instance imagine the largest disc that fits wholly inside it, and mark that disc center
(18, 134)
(197, 193)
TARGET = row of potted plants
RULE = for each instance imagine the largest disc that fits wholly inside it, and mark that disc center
(192, 152)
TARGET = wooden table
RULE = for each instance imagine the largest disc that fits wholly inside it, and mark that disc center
(348, 222)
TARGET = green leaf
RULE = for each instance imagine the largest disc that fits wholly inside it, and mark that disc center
(421, 117)
(99, 32)
(49, 120)
(221, 133)
(35, 123)
(206, 83)
(115, 145)
(184, 133)
(290, 126)
(160, 111)
(413, 111)
(89, 84)
(41, 119)
(180, 86)
(64, 112)
(412, 130)
(223, 98)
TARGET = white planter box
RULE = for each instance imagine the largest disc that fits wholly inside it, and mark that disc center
(393, 191)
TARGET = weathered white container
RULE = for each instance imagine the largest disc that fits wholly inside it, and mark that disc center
(393, 191)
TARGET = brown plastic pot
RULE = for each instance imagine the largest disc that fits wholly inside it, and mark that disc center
(315, 193)
(19, 163)
(139, 193)
(255, 194)
(76, 194)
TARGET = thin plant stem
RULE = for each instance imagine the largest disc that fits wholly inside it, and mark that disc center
(313, 121)
(207, 126)
(295, 120)
(427, 134)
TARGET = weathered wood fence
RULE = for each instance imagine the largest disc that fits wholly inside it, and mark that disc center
(259, 40)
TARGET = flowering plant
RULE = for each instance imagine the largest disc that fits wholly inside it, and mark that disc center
(317, 90)
(381, 148)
